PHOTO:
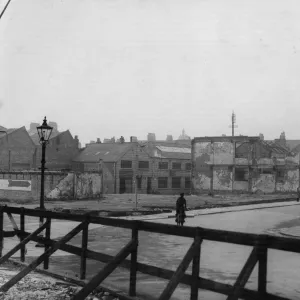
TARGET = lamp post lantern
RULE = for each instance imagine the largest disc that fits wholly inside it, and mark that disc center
(44, 132)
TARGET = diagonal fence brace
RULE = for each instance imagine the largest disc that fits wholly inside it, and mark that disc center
(170, 288)
(41, 258)
(21, 244)
(244, 275)
(108, 269)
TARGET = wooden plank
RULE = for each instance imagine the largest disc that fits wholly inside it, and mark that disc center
(84, 245)
(196, 268)
(244, 275)
(47, 247)
(262, 270)
(22, 227)
(133, 264)
(240, 238)
(9, 233)
(108, 269)
(41, 258)
(1, 230)
(13, 222)
(24, 241)
(171, 286)
(187, 279)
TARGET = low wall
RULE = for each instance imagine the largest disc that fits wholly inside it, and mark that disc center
(25, 186)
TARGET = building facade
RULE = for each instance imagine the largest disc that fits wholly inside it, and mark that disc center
(148, 167)
(242, 164)
(17, 150)
(60, 152)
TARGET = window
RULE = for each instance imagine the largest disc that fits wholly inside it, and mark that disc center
(143, 164)
(126, 164)
(176, 166)
(188, 166)
(241, 175)
(280, 175)
(187, 182)
(163, 165)
(139, 182)
(266, 171)
(176, 182)
(162, 182)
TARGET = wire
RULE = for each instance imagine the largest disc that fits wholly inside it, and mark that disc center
(4, 9)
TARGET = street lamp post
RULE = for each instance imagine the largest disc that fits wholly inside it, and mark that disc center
(44, 132)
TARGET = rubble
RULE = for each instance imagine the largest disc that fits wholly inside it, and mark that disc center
(34, 287)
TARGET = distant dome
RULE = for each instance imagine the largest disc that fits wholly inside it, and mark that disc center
(184, 136)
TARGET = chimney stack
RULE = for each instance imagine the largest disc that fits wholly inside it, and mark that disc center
(133, 139)
(169, 138)
(151, 137)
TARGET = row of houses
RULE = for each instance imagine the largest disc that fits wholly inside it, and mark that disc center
(162, 167)
(205, 164)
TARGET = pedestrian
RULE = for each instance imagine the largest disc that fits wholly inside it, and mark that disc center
(181, 207)
(298, 193)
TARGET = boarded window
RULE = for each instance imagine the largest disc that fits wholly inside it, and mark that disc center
(176, 166)
(162, 182)
(126, 164)
(163, 165)
(143, 164)
(187, 182)
(241, 175)
(176, 182)
(188, 166)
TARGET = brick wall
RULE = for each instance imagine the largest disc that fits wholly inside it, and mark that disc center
(51, 180)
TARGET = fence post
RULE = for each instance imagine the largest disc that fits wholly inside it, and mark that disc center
(1, 231)
(84, 244)
(262, 269)
(22, 228)
(196, 266)
(133, 264)
(47, 246)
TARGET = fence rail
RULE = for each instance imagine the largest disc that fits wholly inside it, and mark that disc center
(260, 243)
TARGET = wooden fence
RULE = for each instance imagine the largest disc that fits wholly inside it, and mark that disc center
(260, 243)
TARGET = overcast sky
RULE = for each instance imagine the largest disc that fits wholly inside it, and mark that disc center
(104, 68)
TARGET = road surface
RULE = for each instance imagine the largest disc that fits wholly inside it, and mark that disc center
(219, 261)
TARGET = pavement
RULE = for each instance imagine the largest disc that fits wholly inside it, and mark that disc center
(127, 202)
(209, 211)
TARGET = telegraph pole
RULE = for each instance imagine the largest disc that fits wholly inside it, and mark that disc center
(233, 121)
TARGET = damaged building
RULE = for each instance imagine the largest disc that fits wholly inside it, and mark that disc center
(242, 164)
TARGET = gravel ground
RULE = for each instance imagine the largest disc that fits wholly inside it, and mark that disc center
(36, 286)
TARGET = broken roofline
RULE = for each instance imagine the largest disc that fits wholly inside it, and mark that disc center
(225, 139)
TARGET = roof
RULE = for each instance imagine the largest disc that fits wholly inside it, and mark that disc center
(292, 143)
(36, 139)
(8, 131)
(275, 147)
(171, 150)
(108, 152)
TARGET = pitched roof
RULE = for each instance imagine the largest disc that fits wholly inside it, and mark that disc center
(171, 150)
(292, 143)
(275, 147)
(36, 139)
(108, 152)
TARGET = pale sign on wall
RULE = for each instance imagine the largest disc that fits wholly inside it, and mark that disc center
(15, 185)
